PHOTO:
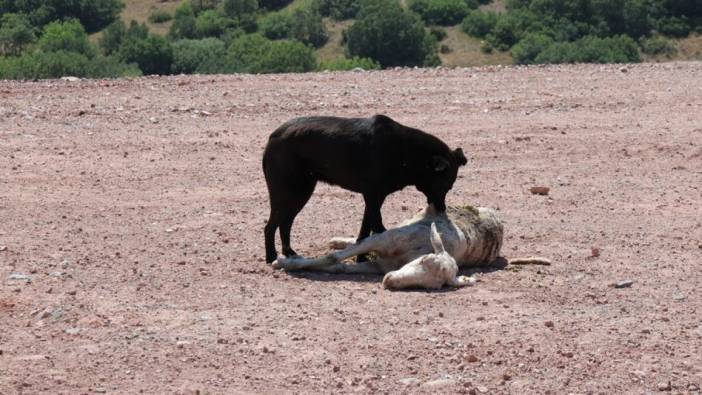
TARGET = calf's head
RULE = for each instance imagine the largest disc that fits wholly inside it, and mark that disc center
(440, 174)
(428, 271)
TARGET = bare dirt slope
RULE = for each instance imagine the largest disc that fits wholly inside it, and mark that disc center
(131, 245)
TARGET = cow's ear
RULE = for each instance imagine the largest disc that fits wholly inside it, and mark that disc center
(439, 163)
(460, 158)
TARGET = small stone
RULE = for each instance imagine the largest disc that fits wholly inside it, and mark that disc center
(70, 79)
(19, 276)
(665, 386)
(692, 387)
(623, 284)
(482, 389)
(540, 190)
(472, 358)
(410, 381)
(623, 69)
(594, 252)
(506, 377)
(549, 324)
(72, 331)
(4, 248)
(679, 296)
(438, 383)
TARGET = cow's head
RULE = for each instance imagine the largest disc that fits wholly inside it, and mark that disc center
(439, 175)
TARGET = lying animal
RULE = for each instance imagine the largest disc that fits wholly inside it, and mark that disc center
(424, 252)
(372, 156)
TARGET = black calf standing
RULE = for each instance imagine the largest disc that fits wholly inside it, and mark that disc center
(372, 156)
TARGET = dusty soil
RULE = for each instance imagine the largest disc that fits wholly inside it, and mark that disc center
(131, 245)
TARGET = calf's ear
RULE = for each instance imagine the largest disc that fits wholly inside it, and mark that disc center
(460, 158)
(439, 163)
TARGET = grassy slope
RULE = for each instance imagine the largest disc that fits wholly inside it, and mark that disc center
(465, 50)
(139, 10)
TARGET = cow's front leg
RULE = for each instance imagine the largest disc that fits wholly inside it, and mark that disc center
(372, 219)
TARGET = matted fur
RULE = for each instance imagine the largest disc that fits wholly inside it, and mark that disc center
(472, 236)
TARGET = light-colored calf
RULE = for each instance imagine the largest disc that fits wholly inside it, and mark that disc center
(424, 252)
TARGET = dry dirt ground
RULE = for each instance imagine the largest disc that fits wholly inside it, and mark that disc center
(131, 244)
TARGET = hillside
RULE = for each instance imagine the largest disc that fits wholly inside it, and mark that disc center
(463, 49)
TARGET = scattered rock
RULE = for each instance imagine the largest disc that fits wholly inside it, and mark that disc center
(70, 79)
(623, 69)
(540, 190)
(624, 284)
(4, 248)
(410, 381)
(72, 331)
(665, 386)
(549, 324)
(19, 276)
(439, 383)
(482, 389)
(594, 252)
(679, 296)
(692, 387)
(472, 358)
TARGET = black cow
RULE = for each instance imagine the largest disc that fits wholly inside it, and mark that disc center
(372, 156)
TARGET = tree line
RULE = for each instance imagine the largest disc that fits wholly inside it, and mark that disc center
(49, 38)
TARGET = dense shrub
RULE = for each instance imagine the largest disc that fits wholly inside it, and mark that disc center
(674, 26)
(349, 64)
(439, 33)
(390, 35)
(441, 12)
(276, 25)
(512, 27)
(66, 36)
(93, 14)
(61, 63)
(528, 48)
(273, 4)
(242, 12)
(160, 16)
(183, 22)
(210, 23)
(253, 53)
(479, 23)
(152, 54)
(590, 49)
(15, 34)
(112, 37)
(204, 56)
(308, 28)
(339, 9)
(657, 45)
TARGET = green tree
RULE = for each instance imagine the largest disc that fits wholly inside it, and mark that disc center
(210, 23)
(387, 33)
(243, 12)
(308, 28)
(198, 56)
(338, 9)
(67, 36)
(153, 54)
(15, 34)
(254, 53)
(441, 12)
(479, 23)
(528, 48)
(112, 37)
(183, 22)
(276, 25)
(273, 4)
